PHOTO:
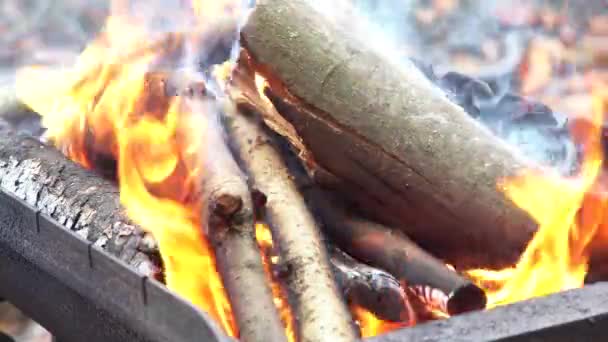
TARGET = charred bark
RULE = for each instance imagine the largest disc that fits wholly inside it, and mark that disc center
(319, 311)
(231, 229)
(431, 280)
(77, 198)
(375, 290)
(413, 159)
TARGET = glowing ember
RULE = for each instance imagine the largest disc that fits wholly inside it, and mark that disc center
(557, 257)
(370, 325)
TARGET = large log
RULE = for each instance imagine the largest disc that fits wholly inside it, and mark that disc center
(396, 143)
(77, 198)
(320, 313)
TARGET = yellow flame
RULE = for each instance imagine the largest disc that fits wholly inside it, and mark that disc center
(110, 104)
(557, 257)
(370, 325)
(264, 238)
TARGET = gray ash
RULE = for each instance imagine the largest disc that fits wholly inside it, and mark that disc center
(538, 132)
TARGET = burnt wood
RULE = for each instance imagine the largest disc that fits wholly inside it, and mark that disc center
(399, 146)
(373, 289)
(80, 200)
(438, 286)
(77, 291)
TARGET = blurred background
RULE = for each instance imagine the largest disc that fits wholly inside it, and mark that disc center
(44, 31)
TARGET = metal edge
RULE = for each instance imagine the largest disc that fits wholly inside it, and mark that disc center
(574, 315)
(104, 293)
(168, 310)
(103, 281)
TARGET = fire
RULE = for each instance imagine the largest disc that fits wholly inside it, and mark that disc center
(568, 215)
(264, 239)
(112, 103)
(370, 325)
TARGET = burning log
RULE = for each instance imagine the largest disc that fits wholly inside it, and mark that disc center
(320, 313)
(431, 280)
(395, 142)
(229, 210)
(75, 197)
(373, 289)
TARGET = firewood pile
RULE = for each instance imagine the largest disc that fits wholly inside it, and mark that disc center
(330, 184)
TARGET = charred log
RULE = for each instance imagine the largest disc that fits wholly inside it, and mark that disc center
(78, 199)
(231, 229)
(395, 140)
(431, 280)
(375, 290)
(320, 313)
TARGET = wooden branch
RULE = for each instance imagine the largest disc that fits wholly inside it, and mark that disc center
(437, 285)
(231, 230)
(375, 290)
(389, 135)
(320, 313)
(77, 198)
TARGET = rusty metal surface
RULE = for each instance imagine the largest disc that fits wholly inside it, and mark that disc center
(579, 315)
(81, 293)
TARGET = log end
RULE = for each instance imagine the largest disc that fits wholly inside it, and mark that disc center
(387, 303)
(466, 298)
(226, 205)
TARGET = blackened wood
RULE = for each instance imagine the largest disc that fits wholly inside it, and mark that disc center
(437, 285)
(228, 210)
(373, 289)
(76, 198)
(320, 313)
(390, 135)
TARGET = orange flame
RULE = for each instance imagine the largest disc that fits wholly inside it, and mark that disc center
(112, 104)
(264, 239)
(370, 325)
(568, 217)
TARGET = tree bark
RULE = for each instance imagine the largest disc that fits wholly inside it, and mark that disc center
(320, 313)
(373, 289)
(229, 212)
(431, 280)
(77, 198)
(390, 136)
